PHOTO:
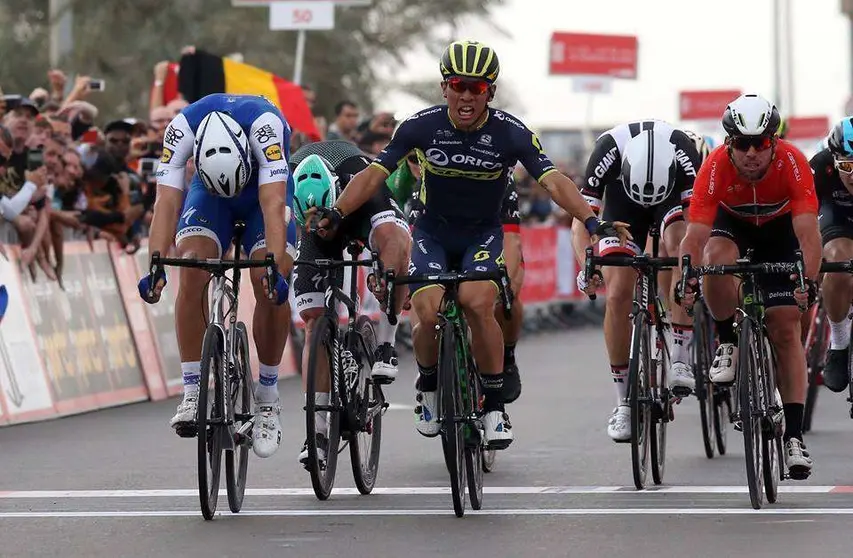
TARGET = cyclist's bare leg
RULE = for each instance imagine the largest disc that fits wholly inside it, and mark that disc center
(270, 326)
(511, 327)
(783, 326)
(478, 302)
(620, 283)
(323, 384)
(665, 275)
(191, 304)
(720, 291)
(425, 303)
(393, 244)
(838, 287)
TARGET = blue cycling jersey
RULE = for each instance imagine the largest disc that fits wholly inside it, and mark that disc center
(465, 172)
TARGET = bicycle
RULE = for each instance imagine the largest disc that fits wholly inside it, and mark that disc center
(224, 422)
(758, 405)
(460, 398)
(649, 397)
(356, 403)
(711, 397)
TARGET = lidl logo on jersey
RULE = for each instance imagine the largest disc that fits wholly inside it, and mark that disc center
(273, 152)
(167, 155)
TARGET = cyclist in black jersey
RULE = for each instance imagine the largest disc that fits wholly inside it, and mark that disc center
(466, 150)
(833, 177)
(641, 173)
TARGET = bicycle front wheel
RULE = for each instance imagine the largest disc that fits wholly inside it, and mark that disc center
(639, 397)
(817, 343)
(237, 461)
(322, 444)
(661, 415)
(368, 404)
(211, 419)
(702, 357)
(452, 430)
(750, 411)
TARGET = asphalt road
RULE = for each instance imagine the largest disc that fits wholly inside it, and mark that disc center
(120, 483)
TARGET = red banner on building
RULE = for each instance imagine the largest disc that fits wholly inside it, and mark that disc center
(807, 127)
(594, 55)
(705, 105)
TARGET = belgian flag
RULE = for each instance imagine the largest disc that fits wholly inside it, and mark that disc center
(203, 73)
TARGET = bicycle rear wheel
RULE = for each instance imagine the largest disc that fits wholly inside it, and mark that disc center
(771, 449)
(704, 389)
(211, 414)
(639, 397)
(661, 415)
(452, 430)
(748, 395)
(237, 461)
(368, 403)
(722, 410)
(474, 439)
(322, 467)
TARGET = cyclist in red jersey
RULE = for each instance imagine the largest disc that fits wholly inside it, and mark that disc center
(757, 191)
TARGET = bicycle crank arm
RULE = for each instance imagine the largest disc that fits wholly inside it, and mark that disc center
(243, 436)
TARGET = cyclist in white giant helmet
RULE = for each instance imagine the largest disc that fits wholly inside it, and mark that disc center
(645, 171)
(240, 144)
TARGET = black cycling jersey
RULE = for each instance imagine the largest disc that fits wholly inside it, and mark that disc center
(836, 202)
(465, 172)
(603, 171)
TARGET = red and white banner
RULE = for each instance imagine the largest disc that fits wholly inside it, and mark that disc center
(705, 105)
(593, 55)
(807, 127)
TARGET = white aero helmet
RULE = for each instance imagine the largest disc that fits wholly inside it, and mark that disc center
(222, 155)
(648, 168)
(751, 115)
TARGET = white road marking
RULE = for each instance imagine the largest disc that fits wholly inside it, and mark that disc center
(329, 512)
(400, 407)
(418, 491)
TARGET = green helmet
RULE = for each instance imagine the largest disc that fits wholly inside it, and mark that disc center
(316, 185)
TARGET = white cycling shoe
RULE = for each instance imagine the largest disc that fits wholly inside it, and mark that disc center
(797, 459)
(385, 364)
(184, 421)
(426, 420)
(723, 368)
(266, 433)
(619, 424)
(498, 430)
(681, 378)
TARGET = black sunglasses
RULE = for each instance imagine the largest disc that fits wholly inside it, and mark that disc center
(743, 143)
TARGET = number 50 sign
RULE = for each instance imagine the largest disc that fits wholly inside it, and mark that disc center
(302, 15)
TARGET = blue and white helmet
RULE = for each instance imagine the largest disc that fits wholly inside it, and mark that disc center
(840, 139)
(222, 155)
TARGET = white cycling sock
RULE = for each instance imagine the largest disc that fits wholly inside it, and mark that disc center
(267, 390)
(682, 337)
(620, 380)
(321, 422)
(191, 372)
(385, 332)
(839, 333)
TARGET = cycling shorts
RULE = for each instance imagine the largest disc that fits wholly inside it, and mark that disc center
(619, 207)
(774, 241)
(211, 216)
(835, 222)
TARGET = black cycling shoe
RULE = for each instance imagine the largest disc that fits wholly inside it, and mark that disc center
(836, 375)
(512, 383)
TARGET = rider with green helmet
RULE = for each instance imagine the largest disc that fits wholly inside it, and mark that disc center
(320, 172)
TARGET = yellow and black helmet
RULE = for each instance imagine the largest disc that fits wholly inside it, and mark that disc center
(470, 59)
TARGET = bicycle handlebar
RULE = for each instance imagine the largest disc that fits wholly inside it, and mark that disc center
(214, 266)
(450, 278)
(644, 263)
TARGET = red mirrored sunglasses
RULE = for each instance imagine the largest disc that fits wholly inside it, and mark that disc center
(475, 86)
(760, 143)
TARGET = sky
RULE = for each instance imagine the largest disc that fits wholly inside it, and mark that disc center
(683, 45)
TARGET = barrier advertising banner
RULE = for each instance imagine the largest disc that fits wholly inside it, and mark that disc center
(83, 334)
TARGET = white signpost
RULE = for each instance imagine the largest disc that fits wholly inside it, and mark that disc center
(302, 16)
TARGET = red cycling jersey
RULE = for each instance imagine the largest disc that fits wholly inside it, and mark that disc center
(788, 187)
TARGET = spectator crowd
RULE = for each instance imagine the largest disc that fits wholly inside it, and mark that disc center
(62, 176)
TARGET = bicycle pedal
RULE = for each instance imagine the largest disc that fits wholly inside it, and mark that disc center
(738, 425)
(186, 430)
(798, 474)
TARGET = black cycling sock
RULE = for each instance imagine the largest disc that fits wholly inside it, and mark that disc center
(793, 421)
(493, 392)
(726, 330)
(509, 355)
(427, 378)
